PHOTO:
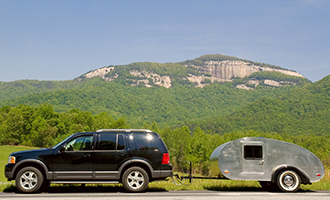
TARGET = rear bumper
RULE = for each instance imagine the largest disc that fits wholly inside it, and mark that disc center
(166, 173)
(161, 174)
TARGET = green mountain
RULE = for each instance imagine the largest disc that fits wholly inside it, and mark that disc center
(170, 94)
(199, 72)
(304, 110)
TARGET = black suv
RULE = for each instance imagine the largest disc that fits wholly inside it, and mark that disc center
(127, 156)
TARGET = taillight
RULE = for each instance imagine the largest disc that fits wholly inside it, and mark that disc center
(166, 158)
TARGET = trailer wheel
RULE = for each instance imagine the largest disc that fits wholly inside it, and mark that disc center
(288, 181)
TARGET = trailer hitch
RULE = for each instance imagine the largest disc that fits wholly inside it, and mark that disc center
(181, 180)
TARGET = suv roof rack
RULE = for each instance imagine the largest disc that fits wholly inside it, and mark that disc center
(125, 130)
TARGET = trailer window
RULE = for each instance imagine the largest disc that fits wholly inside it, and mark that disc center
(252, 152)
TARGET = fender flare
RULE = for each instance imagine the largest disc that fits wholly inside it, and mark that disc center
(303, 175)
(135, 161)
(39, 162)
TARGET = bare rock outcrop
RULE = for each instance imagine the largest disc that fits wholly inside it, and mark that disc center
(164, 81)
(201, 74)
(272, 83)
(99, 72)
(225, 71)
(244, 87)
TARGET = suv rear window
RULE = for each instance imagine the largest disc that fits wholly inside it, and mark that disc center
(110, 141)
(149, 141)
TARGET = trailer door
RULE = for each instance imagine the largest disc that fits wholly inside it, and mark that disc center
(253, 161)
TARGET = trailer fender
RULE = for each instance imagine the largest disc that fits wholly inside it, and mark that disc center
(303, 175)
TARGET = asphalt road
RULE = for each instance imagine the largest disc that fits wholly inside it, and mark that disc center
(175, 195)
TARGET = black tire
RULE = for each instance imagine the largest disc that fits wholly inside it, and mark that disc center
(29, 180)
(268, 186)
(288, 181)
(135, 179)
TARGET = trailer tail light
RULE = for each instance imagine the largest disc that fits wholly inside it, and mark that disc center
(166, 158)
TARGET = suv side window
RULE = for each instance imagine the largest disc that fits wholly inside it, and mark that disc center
(120, 142)
(148, 141)
(111, 141)
(83, 143)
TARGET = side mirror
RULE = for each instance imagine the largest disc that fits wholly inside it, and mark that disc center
(62, 149)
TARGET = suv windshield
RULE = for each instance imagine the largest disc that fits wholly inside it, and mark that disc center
(62, 142)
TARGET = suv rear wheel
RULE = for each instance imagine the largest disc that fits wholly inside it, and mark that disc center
(29, 179)
(135, 179)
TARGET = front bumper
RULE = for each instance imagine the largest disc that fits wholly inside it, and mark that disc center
(9, 172)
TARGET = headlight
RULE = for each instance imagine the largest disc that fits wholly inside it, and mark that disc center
(12, 159)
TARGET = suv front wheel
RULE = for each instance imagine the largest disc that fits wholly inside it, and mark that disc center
(29, 179)
(135, 179)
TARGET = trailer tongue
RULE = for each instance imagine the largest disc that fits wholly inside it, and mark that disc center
(181, 180)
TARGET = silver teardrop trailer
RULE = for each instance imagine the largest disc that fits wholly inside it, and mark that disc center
(274, 163)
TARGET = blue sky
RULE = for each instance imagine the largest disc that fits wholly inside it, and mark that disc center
(60, 40)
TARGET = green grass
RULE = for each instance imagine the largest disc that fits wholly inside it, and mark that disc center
(231, 185)
(215, 185)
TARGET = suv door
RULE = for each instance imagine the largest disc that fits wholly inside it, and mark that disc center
(108, 156)
(74, 161)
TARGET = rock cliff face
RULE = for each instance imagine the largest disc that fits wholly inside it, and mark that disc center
(147, 79)
(99, 72)
(223, 71)
(200, 73)
(226, 71)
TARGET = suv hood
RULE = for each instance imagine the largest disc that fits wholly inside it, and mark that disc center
(34, 151)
